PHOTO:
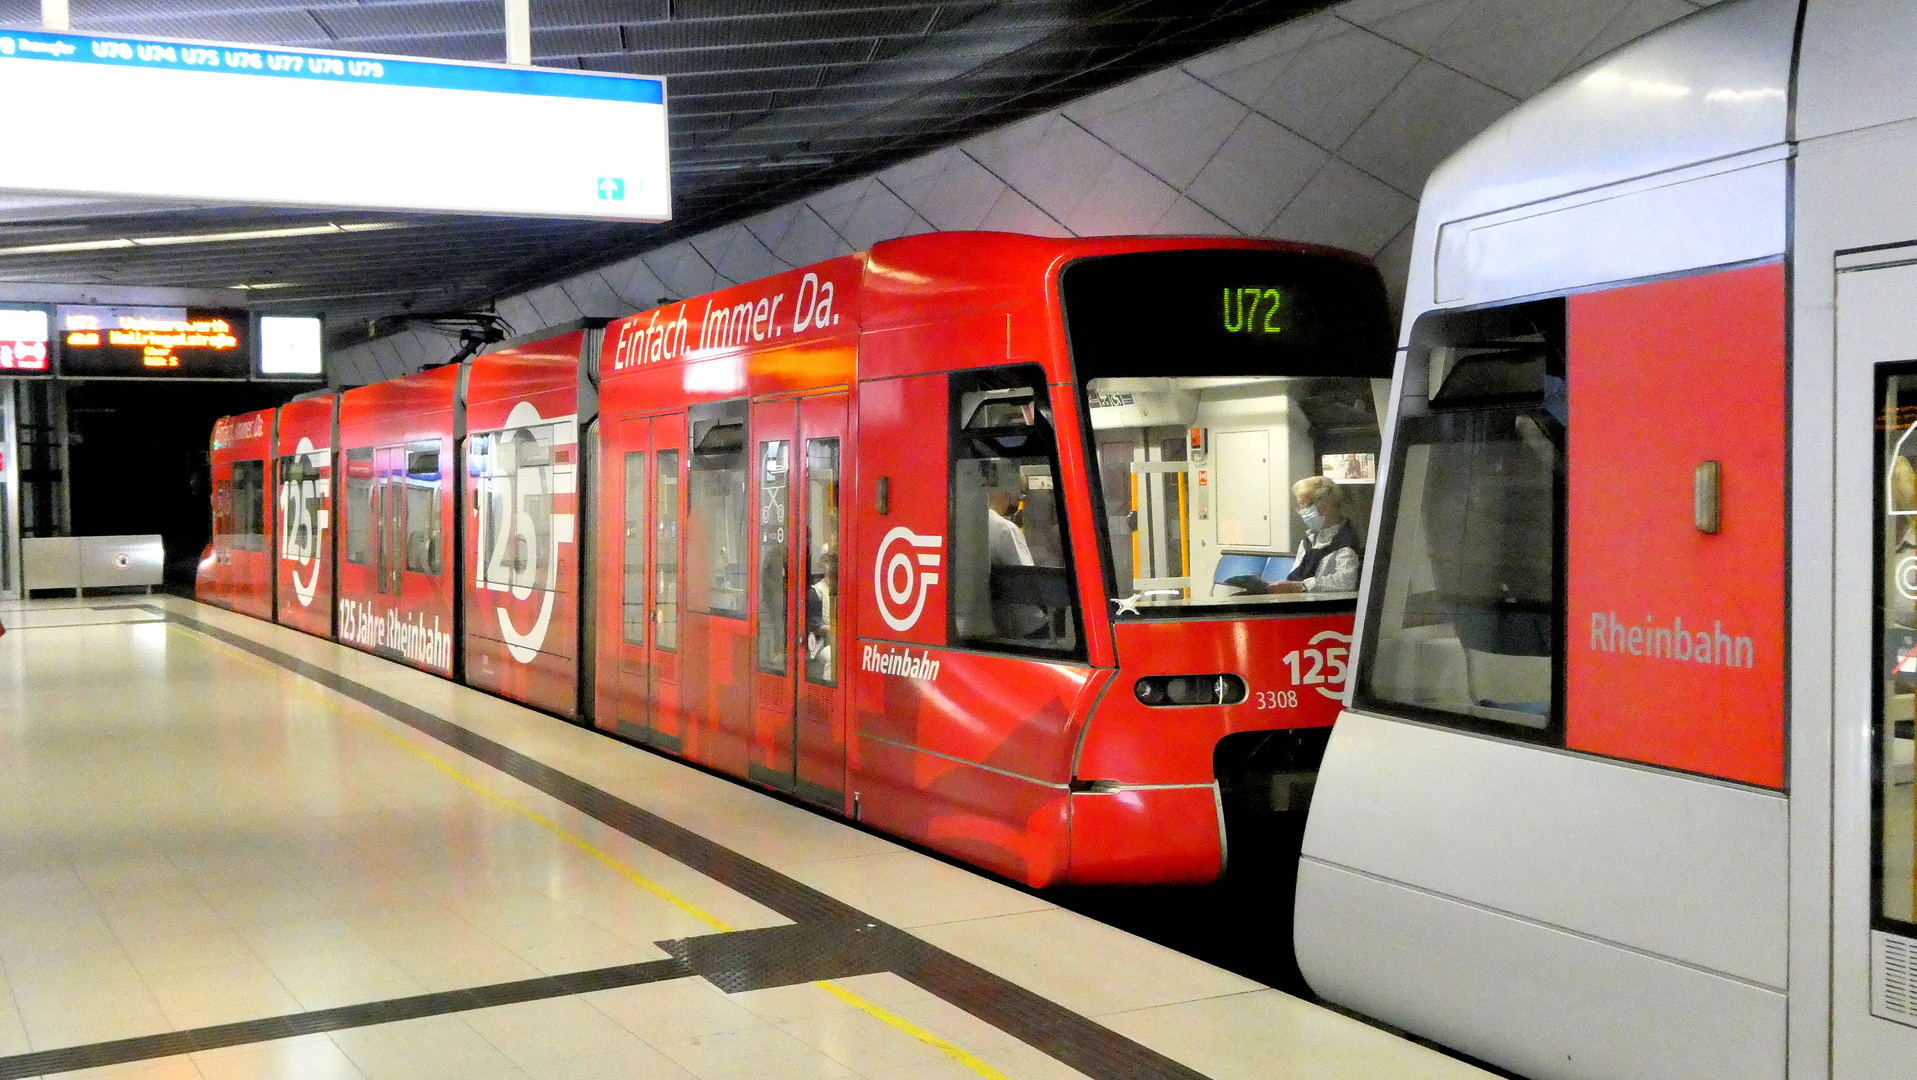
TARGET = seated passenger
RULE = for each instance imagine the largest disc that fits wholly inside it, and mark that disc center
(1331, 554)
(820, 612)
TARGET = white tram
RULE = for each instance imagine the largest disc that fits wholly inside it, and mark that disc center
(1623, 788)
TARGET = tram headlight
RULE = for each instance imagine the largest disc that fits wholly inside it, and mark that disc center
(1161, 691)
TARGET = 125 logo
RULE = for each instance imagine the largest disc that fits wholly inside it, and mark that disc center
(1321, 664)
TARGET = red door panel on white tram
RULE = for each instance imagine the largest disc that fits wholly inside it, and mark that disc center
(1675, 650)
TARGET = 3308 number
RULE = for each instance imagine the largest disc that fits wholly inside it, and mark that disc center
(1277, 699)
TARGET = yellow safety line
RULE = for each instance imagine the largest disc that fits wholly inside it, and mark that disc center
(950, 1049)
(558, 830)
(956, 1053)
(537, 818)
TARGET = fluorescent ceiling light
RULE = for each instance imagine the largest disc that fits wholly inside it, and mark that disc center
(751, 163)
(264, 285)
(202, 238)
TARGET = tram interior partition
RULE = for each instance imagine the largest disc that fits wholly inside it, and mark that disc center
(930, 536)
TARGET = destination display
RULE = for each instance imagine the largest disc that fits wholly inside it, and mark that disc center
(152, 342)
(1227, 312)
(24, 341)
(613, 127)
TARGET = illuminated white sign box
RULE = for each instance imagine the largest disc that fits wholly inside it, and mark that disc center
(24, 337)
(289, 345)
(401, 131)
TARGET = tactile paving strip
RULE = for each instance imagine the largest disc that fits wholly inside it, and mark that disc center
(828, 939)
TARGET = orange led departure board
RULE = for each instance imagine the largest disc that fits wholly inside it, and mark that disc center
(152, 342)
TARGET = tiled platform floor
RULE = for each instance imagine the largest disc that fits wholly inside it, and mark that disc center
(229, 850)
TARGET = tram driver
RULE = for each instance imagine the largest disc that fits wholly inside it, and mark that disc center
(1007, 539)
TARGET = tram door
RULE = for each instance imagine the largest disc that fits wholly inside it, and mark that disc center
(1874, 876)
(798, 710)
(649, 471)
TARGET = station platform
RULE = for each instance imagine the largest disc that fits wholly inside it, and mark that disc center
(230, 850)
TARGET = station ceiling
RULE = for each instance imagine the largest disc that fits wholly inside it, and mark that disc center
(769, 100)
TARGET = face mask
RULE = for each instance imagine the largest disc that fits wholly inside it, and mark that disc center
(1313, 518)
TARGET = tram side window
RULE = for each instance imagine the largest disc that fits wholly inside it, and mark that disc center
(1466, 624)
(359, 506)
(775, 494)
(300, 503)
(718, 515)
(665, 555)
(821, 560)
(223, 512)
(1010, 586)
(422, 508)
(1894, 888)
(634, 592)
(515, 497)
(249, 505)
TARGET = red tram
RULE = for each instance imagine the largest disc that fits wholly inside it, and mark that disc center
(980, 539)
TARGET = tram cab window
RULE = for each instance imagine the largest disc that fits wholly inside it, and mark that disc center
(1197, 478)
(1465, 624)
(1894, 888)
(1011, 586)
(249, 505)
(718, 514)
(359, 506)
(422, 508)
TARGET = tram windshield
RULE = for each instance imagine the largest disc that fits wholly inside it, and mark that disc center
(1232, 401)
(1202, 479)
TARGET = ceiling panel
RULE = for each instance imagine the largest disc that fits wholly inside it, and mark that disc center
(770, 100)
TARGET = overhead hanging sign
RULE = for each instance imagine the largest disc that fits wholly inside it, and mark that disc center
(339, 130)
(152, 342)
